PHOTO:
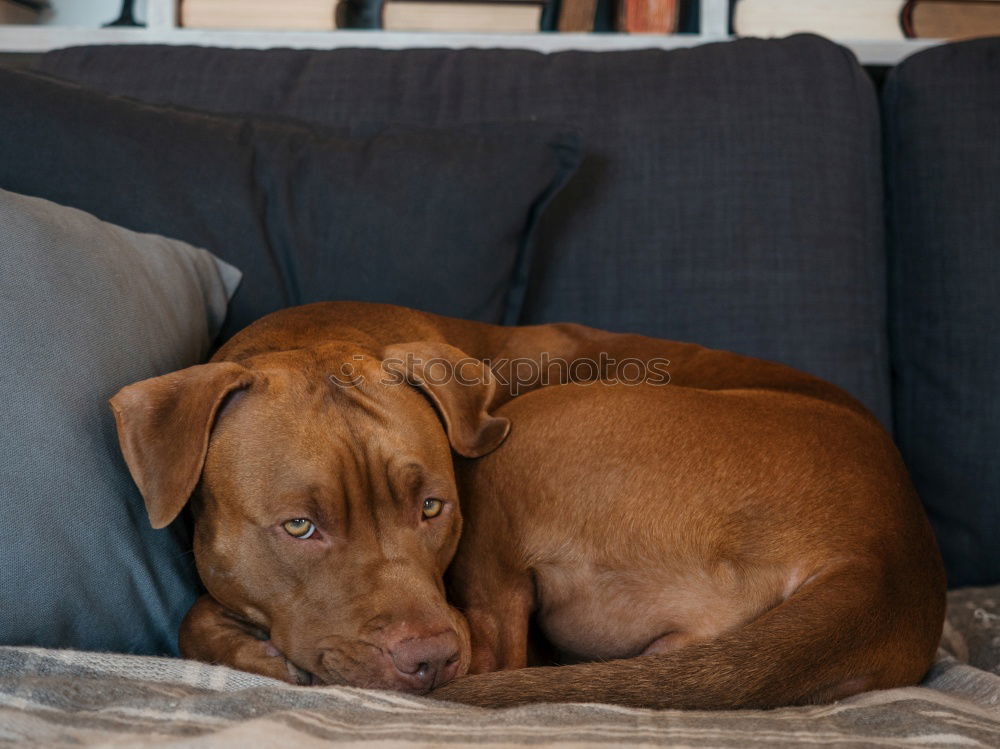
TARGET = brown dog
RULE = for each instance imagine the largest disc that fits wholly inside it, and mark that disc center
(748, 530)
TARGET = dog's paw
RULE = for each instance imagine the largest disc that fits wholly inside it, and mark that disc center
(299, 677)
(277, 666)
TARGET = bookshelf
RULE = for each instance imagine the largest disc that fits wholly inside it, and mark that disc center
(74, 22)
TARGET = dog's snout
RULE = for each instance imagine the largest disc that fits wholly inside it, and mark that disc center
(426, 662)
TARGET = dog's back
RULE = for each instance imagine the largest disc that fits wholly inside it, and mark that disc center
(757, 548)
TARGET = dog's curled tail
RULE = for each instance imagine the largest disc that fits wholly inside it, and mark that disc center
(845, 631)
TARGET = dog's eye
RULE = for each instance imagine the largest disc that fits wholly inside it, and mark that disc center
(432, 508)
(299, 527)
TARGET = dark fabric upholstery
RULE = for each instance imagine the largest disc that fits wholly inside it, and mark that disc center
(437, 219)
(942, 115)
(731, 194)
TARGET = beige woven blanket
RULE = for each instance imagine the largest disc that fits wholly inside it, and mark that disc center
(58, 698)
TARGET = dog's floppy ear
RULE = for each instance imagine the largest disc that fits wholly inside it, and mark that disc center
(459, 386)
(163, 429)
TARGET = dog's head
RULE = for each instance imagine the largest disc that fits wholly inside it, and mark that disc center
(325, 504)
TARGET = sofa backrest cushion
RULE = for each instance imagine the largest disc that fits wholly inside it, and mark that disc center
(730, 195)
(942, 117)
(87, 308)
(436, 219)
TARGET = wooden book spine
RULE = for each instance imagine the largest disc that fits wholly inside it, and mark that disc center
(577, 15)
(950, 19)
(647, 16)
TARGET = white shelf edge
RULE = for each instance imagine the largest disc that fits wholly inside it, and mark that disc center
(44, 38)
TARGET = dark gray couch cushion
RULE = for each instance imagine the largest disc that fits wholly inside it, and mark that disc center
(434, 219)
(942, 115)
(86, 308)
(731, 194)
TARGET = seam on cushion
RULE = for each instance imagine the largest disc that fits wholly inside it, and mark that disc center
(567, 149)
(884, 376)
(890, 161)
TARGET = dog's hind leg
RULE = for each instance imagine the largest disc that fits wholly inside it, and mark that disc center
(850, 629)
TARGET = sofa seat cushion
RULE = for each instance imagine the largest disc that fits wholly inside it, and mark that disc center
(87, 308)
(942, 115)
(730, 195)
(434, 219)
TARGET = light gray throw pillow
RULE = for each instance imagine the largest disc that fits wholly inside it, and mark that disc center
(86, 308)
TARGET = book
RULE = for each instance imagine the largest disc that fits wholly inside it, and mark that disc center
(498, 16)
(36, 5)
(647, 16)
(21, 11)
(838, 19)
(287, 15)
(951, 19)
(359, 14)
(577, 15)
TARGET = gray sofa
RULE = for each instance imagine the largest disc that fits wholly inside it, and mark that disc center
(758, 196)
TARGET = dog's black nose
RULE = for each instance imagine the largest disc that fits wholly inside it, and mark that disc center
(426, 662)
